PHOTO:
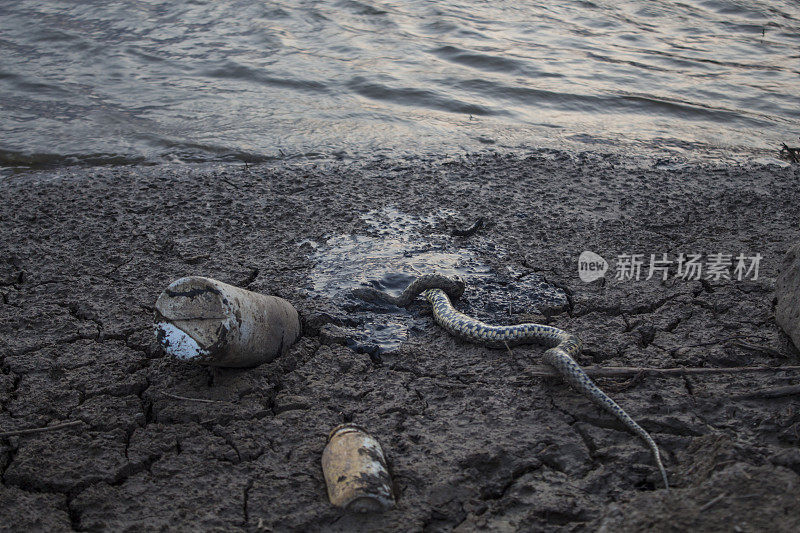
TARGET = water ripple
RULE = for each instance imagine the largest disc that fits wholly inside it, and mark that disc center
(94, 81)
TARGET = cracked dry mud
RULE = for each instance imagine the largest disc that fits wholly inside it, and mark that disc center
(472, 439)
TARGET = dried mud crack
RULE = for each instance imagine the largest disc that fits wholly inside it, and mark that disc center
(476, 438)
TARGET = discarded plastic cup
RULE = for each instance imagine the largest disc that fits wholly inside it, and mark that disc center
(213, 323)
(355, 471)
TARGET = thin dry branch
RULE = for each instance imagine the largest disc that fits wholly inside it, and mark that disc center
(778, 392)
(712, 502)
(628, 371)
(31, 431)
(188, 399)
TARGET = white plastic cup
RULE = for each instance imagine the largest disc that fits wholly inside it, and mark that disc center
(355, 471)
(213, 323)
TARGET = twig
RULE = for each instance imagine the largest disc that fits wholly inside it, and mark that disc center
(627, 384)
(508, 348)
(119, 266)
(712, 502)
(176, 397)
(469, 231)
(31, 431)
(628, 371)
(514, 360)
(779, 392)
(756, 348)
(791, 152)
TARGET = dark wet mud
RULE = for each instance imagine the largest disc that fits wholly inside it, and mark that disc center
(395, 250)
(475, 438)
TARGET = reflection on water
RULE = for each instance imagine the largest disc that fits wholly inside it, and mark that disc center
(98, 81)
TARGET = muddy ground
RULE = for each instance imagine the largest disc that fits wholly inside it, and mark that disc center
(473, 440)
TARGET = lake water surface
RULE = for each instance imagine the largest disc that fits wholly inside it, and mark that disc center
(95, 82)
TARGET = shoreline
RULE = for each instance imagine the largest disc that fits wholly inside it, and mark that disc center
(639, 154)
(474, 439)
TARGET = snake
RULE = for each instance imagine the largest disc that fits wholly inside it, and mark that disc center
(562, 346)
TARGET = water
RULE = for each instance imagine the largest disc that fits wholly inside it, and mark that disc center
(392, 253)
(97, 82)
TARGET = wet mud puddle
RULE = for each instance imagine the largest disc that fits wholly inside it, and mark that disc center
(396, 248)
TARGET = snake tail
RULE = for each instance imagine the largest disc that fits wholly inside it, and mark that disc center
(580, 381)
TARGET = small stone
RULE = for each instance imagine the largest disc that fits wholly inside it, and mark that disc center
(787, 293)
(331, 334)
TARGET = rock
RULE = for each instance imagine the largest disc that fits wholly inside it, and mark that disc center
(331, 334)
(789, 458)
(787, 292)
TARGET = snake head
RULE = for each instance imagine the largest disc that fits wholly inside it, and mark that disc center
(458, 287)
(366, 294)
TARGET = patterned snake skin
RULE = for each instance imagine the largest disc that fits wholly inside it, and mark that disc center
(562, 346)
